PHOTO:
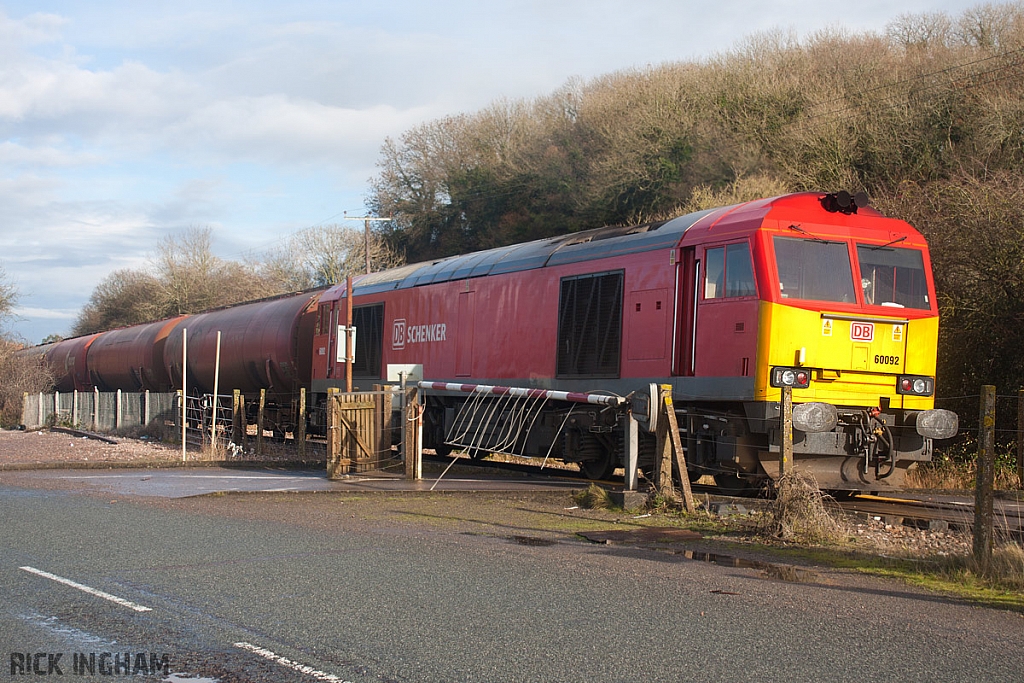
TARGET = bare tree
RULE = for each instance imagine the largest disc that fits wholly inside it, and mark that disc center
(324, 255)
(188, 271)
(18, 374)
(8, 298)
(125, 297)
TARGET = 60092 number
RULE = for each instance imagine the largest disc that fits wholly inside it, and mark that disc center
(887, 360)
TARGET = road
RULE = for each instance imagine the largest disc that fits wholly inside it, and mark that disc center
(306, 587)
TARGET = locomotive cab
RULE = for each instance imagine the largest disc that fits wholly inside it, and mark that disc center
(845, 316)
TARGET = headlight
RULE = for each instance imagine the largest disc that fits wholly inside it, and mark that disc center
(915, 386)
(798, 378)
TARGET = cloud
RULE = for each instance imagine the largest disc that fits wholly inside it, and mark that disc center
(285, 130)
(66, 314)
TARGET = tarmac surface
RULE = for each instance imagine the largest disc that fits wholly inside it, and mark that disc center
(187, 482)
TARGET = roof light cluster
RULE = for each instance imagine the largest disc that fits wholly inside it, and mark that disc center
(844, 202)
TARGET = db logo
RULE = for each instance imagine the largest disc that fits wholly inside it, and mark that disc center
(862, 331)
(398, 334)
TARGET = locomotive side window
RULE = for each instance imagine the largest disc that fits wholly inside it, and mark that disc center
(729, 273)
(893, 277)
(369, 323)
(590, 325)
(814, 269)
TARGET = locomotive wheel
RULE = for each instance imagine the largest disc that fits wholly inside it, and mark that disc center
(733, 484)
(600, 468)
(597, 462)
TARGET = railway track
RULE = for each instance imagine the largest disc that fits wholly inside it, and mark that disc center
(938, 513)
(924, 512)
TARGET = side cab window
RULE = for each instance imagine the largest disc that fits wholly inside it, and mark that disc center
(728, 272)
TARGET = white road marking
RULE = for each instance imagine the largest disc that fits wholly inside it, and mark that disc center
(284, 661)
(91, 591)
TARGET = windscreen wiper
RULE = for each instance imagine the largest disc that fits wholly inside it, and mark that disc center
(796, 228)
(887, 244)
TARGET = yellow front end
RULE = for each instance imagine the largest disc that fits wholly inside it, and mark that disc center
(853, 360)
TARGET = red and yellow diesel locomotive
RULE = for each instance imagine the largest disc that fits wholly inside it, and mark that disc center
(813, 291)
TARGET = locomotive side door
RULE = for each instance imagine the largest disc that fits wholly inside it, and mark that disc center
(687, 279)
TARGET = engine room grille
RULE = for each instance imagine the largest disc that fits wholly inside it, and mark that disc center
(590, 325)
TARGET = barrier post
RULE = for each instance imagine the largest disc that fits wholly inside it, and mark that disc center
(410, 433)
(983, 537)
(632, 450)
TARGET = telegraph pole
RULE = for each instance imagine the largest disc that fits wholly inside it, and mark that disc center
(366, 235)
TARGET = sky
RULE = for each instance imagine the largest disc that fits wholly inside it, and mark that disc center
(124, 122)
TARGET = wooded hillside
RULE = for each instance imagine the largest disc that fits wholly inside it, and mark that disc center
(927, 118)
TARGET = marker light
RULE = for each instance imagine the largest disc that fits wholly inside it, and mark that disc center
(798, 378)
(915, 386)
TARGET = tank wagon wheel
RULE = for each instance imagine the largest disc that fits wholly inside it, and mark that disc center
(477, 453)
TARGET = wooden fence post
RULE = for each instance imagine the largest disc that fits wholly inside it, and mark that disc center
(237, 419)
(677, 446)
(300, 434)
(1020, 438)
(385, 401)
(259, 422)
(335, 470)
(786, 450)
(663, 453)
(983, 537)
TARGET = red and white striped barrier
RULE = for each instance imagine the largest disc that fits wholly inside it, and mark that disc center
(571, 396)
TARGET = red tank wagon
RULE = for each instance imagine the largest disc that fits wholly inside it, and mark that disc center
(264, 345)
(132, 358)
(67, 361)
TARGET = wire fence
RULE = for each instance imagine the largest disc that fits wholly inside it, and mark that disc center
(101, 411)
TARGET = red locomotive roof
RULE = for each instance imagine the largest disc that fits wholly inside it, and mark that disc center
(610, 241)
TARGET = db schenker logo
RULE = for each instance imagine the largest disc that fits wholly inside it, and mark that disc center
(398, 334)
(862, 331)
